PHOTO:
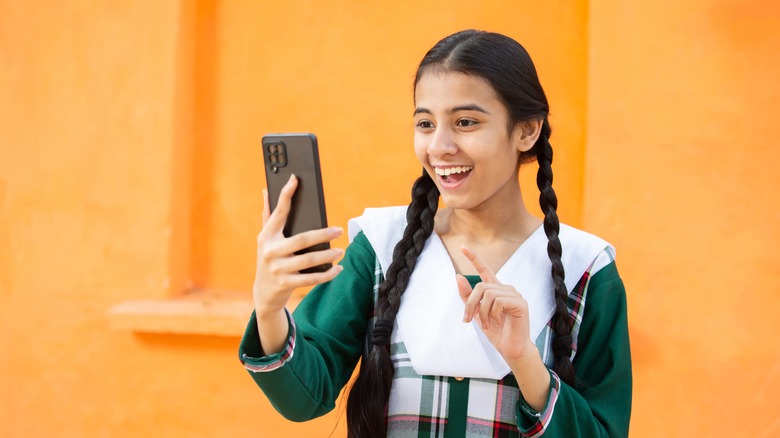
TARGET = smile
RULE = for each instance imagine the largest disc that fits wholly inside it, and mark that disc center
(450, 178)
(452, 170)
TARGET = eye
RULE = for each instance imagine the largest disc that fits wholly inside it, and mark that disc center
(424, 124)
(466, 123)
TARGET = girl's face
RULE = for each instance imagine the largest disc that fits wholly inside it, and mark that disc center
(461, 139)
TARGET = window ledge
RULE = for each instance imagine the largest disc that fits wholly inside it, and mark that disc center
(197, 313)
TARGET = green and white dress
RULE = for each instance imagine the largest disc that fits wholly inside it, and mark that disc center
(449, 381)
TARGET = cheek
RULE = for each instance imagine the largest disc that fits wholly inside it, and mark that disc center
(421, 148)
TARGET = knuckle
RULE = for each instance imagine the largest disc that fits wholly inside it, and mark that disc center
(305, 261)
(274, 269)
(302, 261)
(265, 257)
(312, 237)
(284, 282)
(301, 240)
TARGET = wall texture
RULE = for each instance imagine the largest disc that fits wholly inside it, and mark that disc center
(130, 169)
(681, 177)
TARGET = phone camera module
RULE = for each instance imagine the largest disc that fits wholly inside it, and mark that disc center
(277, 156)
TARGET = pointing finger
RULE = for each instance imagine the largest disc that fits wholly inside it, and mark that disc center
(482, 269)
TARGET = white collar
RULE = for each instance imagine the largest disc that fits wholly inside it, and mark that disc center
(429, 321)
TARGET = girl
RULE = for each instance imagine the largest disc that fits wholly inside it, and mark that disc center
(477, 319)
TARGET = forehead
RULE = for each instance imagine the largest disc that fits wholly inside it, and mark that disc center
(445, 89)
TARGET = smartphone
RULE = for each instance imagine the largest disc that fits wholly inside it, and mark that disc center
(287, 154)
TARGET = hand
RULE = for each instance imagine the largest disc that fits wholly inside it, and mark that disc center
(499, 309)
(278, 266)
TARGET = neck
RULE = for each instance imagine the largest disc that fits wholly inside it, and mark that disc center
(510, 221)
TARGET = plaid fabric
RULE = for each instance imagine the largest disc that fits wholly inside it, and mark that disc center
(435, 406)
(273, 361)
(576, 305)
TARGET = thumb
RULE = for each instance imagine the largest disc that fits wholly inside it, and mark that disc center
(464, 287)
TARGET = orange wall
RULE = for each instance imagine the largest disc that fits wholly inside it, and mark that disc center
(130, 168)
(345, 71)
(682, 178)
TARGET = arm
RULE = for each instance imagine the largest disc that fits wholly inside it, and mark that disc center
(279, 265)
(600, 404)
(325, 337)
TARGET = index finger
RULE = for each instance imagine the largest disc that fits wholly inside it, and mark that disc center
(484, 272)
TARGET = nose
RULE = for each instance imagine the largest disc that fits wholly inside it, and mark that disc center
(442, 143)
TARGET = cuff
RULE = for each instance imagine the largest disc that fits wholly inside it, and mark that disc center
(251, 352)
(531, 423)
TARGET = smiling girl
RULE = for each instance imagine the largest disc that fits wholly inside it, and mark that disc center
(476, 319)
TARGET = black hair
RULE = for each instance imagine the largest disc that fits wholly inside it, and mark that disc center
(506, 65)
(369, 394)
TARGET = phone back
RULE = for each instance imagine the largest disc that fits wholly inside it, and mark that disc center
(286, 154)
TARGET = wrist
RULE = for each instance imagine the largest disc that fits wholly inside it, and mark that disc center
(533, 377)
(525, 355)
(265, 312)
(273, 328)
(529, 360)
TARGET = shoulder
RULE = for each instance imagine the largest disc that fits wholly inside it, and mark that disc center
(602, 280)
(376, 220)
(382, 228)
(583, 254)
(576, 240)
(360, 245)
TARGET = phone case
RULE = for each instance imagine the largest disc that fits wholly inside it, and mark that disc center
(286, 154)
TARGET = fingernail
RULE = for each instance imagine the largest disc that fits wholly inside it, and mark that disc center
(292, 177)
(465, 317)
(336, 231)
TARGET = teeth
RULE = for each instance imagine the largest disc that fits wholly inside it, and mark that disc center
(451, 170)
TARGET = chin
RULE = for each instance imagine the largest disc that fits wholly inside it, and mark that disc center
(456, 202)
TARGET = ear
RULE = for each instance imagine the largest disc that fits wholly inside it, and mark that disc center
(526, 134)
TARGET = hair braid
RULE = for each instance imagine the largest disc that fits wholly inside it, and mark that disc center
(561, 321)
(370, 393)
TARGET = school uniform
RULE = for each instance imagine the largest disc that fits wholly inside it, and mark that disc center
(449, 380)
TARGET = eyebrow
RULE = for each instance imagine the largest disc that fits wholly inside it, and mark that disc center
(467, 107)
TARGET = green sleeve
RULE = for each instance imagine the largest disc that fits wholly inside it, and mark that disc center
(599, 405)
(325, 341)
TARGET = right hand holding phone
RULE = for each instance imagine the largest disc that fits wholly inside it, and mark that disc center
(278, 266)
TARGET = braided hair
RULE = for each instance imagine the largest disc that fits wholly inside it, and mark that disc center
(371, 390)
(506, 65)
(561, 321)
